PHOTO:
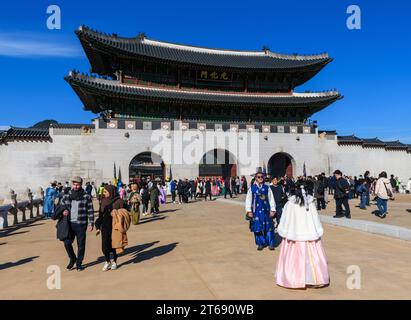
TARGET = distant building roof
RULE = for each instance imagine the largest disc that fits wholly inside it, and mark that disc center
(352, 139)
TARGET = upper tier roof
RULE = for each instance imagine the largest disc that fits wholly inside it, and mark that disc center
(86, 85)
(141, 46)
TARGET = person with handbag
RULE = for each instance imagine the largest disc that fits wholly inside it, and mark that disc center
(383, 192)
(80, 213)
(104, 224)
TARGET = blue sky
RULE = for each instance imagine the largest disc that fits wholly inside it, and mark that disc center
(371, 66)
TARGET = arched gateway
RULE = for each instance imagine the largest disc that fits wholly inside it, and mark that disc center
(218, 163)
(281, 164)
(146, 164)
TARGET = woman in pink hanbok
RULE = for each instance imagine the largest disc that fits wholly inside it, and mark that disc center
(302, 261)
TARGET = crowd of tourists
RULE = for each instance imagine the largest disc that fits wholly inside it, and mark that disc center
(275, 203)
(290, 207)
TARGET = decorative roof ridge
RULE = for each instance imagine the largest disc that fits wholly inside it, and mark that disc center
(86, 78)
(141, 38)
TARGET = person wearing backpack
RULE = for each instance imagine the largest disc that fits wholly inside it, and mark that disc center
(383, 192)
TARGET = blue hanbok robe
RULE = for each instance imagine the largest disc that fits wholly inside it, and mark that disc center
(48, 205)
(260, 202)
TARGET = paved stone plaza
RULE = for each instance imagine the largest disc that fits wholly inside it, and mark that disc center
(199, 251)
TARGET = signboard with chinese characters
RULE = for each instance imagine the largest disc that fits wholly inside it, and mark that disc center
(214, 75)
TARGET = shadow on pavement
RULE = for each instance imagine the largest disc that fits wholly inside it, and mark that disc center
(151, 219)
(25, 224)
(2, 235)
(169, 210)
(129, 250)
(139, 256)
(17, 263)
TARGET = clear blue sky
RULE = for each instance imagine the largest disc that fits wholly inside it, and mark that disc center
(371, 66)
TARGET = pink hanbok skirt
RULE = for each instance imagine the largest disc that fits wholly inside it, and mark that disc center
(301, 264)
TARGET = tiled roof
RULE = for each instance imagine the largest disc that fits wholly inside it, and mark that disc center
(395, 145)
(166, 51)
(373, 142)
(71, 125)
(327, 132)
(27, 134)
(113, 87)
(349, 139)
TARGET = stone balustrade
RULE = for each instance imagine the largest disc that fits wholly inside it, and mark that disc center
(29, 206)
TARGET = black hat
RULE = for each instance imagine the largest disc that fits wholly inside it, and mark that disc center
(338, 172)
(258, 170)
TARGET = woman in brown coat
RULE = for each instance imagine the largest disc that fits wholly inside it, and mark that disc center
(104, 223)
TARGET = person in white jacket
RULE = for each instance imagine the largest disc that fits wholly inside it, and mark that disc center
(383, 191)
(408, 188)
(302, 261)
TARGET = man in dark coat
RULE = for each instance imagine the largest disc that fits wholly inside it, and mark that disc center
(154, 201)
(341, 191)
(207, 189)
(227, 187)
(80, 214)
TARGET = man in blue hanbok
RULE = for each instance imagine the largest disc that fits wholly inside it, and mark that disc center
(49, 197)
(260, 207)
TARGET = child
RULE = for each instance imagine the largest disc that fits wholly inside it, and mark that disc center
(302, 261)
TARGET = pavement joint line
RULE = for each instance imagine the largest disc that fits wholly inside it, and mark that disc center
(372, 227)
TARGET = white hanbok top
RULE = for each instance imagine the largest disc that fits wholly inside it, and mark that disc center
(297, 223)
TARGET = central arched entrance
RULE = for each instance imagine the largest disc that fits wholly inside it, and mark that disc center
(218, 163)
(146, 164)
(280, 164)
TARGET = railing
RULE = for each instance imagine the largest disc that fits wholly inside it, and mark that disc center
(25, 207)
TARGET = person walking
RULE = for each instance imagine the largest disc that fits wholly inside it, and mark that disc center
(341, 191)
(81, 215)
(104, 224)
(362, 191)
(134, 202)
(383, 192)
(49, 197)
(408, 188)
(207, 189)
(180, 191)
(227, 189)
(154, 201)
(145, 198)
(89, 188)
(173, 188)
(319, 192)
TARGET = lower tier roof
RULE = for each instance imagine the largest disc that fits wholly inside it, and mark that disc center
(88, 88)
